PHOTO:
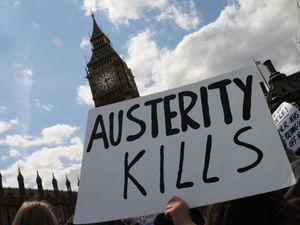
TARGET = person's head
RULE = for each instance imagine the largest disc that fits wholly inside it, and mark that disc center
(70, 221)
(35, 213)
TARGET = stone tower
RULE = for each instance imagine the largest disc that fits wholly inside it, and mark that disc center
(109, 77)
(21, 184)
(40, 185)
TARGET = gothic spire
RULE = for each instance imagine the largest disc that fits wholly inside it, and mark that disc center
(99, 40)
(68, 184)
(39, 184)
(38, 178)
(21, 184)
(54, 181)
(20, 178)
(97, 32)
(55, 186)
(19, 171)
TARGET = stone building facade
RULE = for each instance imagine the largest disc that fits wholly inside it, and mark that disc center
(12, 198)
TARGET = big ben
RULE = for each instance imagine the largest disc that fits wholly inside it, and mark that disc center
(109, 77)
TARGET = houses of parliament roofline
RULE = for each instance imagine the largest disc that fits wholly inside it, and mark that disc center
(11, 198)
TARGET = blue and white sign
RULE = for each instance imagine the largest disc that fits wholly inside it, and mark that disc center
(287, 120)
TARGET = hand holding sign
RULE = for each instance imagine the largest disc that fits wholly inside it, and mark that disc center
(178, 211)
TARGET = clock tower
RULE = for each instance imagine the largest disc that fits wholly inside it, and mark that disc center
(109, 77)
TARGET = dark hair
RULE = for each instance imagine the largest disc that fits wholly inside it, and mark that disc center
(70, 221)
(35, 213)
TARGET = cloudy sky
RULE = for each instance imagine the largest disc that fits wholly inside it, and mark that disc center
(167, 43)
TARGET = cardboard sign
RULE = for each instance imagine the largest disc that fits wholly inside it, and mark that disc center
(207, 142)
(287, 120)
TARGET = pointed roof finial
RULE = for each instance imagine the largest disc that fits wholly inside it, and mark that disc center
(38, 178)
(53, 177)
(20, 179)
(19, 170)
(97, 32)
(54, 181)
(68, 183)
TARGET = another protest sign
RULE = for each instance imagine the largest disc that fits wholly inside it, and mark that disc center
(287, 120)
(145, 220)
(207, 142)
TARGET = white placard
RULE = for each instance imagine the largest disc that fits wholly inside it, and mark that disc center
(287, 120)
(207, 142)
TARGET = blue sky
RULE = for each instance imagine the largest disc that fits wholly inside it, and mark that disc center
(167, 43)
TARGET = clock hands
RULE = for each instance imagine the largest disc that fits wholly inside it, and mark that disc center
(106, 80)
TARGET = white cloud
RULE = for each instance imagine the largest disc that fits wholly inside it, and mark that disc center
(47, 160)
(257, 29)
(58, 133)
(84, 95)
(4, 125)
(46, 107)
(2, 109)
(56, 150)
(147, 57)
(121, 12)
(242, 31)
(186, 17)
(85, 43)
(3, 157)
(14, 153)
(55, 135)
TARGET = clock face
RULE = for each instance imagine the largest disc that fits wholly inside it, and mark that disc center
(106, 80)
